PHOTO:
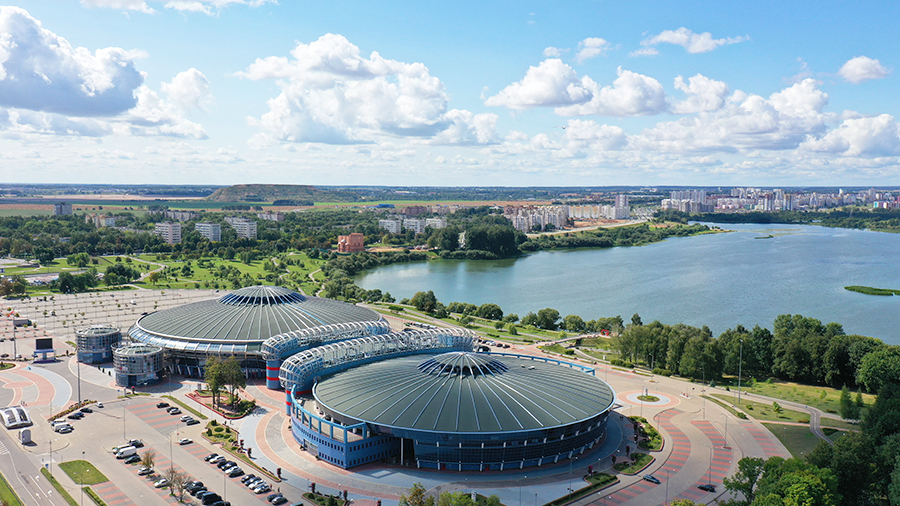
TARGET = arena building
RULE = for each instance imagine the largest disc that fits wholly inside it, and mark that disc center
(238, 324)
(358, 393)
(460, 411)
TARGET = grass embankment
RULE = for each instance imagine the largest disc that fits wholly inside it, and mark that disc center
(868, 290)
(597, 482)
(767, 412)
(186, 407)
(59, 488)
(7, 494)
(654, 440)
(797, 439)
(83, 472)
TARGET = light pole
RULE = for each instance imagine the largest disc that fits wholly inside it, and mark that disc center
(709, 479)
(520, 489)
(571, 461)
(83, 465)
(740, 363)
(667, 484)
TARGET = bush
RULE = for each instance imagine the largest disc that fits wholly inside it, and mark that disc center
(741, 415)
(662, 372)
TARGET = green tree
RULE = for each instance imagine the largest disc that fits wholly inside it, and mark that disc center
(79, 260)
(547, 318)
(573, 323)
(424, 301)
(745, 480)
(214, 376)
(233, 376)
(848, 409)
(455, 499)
(489, 311)
(416, 497)
(879, 368)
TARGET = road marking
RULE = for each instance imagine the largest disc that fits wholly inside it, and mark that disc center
(3, 449)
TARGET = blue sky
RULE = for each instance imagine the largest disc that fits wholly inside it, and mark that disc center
(449, 93)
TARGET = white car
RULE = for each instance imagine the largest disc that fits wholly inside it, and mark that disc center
(161, 483)
(145, 471)
(65, 429)
(185, 441)
(186, 418)
(99, 404)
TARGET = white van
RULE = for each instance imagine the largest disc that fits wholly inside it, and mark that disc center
(57, 427)
(126, 452)
(58, 421)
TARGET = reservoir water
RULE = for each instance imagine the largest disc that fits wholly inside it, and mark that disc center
(719, 280)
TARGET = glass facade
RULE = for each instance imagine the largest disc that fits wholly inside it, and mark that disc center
(95, 343)
(138, 365)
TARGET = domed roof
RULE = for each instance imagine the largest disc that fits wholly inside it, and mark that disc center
(465, 393)
(254, 313)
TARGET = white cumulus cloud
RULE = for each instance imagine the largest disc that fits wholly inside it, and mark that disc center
(553, 52)
(631, 94)
(550, 84)
(591, 47)
(41, 71)
(703, 94)
(862, 68)
(332, 94)
(692, 42)
(189, 90)
(878, 136)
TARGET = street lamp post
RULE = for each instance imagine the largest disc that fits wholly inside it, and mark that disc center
(82, 477)
(709, 479)
(740, 363)
(520, 489)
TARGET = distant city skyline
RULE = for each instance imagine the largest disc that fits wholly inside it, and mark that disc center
(582, 93)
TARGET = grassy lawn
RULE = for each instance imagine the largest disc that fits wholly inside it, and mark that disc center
(798, 440)
(7, 494)
(762, 411)
(82, 471)
(838, 424)
(641, 460)
(825, 398)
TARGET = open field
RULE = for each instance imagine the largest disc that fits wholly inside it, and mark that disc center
(825, 398)
(797, 439)
(83, 472)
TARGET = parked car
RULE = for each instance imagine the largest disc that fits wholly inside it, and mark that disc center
(144, 471)
(162, 404)
(174, 411)
(707, 487)
(651, 478)
(279, 500)
(100, 405)
(162, 482)
(78, 415)
(235, 471)
(65, 429)
(216, 459)
(185, 441)
(193, 421)
(211, 456)
(274, 496)
(253, 482)
(185, 418)
(224, 464)
(86, 409)
(195, 492)
(137, 443)
(133, 459)
(247, 478)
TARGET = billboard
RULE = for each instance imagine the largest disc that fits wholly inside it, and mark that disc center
(43, 343)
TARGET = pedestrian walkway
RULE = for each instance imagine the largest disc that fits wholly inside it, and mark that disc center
(722, 458)
(765, 440)
(111, 494)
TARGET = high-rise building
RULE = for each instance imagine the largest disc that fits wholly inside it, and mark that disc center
(211, 231)
(245, 227)
(62, 209)
(169, 231)
(275, 216)
(391, 225)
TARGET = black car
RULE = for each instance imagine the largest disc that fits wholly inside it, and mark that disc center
(197, 491)
(708, 487)
(86, 409)
(197, 485)
(162, 405)
(192, 421)
(211, 456)
(247, 478)
(133, 459)
(137, 443)
(78, 415)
